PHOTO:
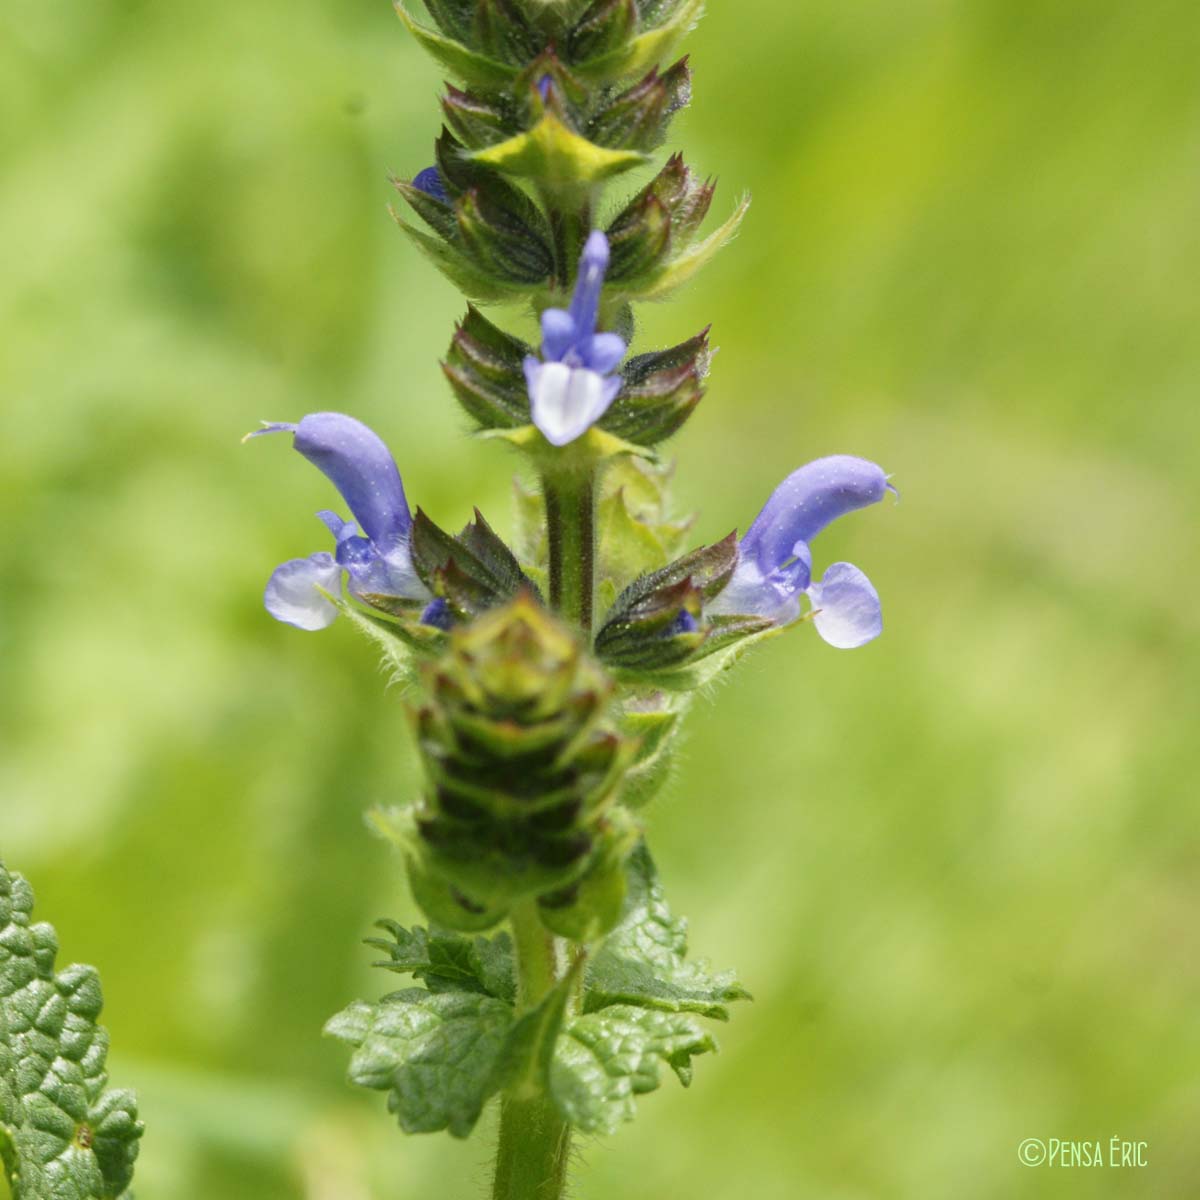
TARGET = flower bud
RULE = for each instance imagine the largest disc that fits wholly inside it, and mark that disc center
(485, 367)
(660, 223)
(521, 760)
(603, 28)
(659, 392)
(638, 118)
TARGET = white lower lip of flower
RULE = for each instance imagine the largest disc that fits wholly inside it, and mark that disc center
(749, 594)
(565, 401)
(295, 593)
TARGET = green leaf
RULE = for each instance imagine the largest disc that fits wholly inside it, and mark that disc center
(435, 1054)
(442, 1054)
(62, 1135)
(644, 960)
(449, 961)
(604, 1059)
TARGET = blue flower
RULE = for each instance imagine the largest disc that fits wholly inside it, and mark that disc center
(430, 182)
(775, 563)
(376, 560)
(571, 386)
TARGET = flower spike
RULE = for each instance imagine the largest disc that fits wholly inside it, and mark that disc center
(571, 385)
(775, 562)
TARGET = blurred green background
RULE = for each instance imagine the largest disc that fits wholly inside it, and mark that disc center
(959, 869)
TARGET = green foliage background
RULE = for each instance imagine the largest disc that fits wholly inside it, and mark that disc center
(958, 868)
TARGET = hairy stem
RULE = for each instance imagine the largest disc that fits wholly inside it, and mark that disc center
(531, 1160)
(571, 526)
(535, 1143)
(536, 955)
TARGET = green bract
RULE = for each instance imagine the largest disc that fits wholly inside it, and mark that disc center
(63, 1135)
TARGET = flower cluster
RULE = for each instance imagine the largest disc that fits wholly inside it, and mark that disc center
(774, 562)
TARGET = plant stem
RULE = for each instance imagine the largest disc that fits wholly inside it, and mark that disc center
(536, 955)
(531, 1160)
(535, 1142)
(569, 213)
(571, 527)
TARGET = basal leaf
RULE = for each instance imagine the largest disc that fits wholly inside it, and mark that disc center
(62, 1135)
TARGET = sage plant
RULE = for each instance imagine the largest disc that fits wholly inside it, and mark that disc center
(546, 679)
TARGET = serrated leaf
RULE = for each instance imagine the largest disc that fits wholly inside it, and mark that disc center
(644, 960)
(434, 1053)
(605, 1059)
(645, 487)
(449, 961)
(62, 1135)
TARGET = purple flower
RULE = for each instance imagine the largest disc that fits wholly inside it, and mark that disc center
(570, 386)
(775, 564)
(377, 559)
(430, 182)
